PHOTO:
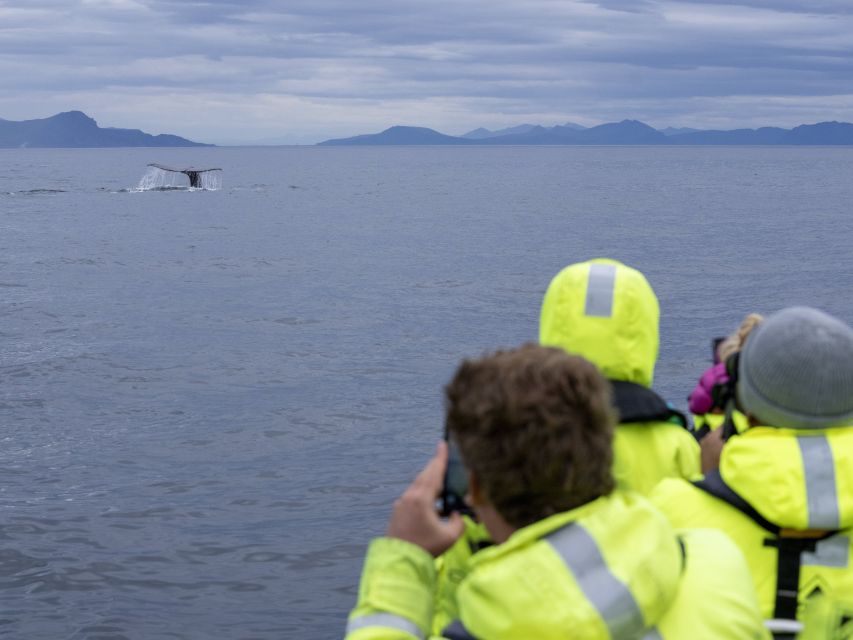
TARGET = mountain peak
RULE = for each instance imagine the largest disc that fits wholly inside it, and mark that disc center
(71, 129)
(400, 135)
(635, 124)
(77, 117)
(401, 128)
(483, 133)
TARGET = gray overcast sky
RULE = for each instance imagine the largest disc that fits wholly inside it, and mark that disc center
(305, 70)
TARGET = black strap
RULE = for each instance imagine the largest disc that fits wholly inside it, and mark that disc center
(788, 573)
(714, 484)
(729, 426)
(790, 549)
(701, 432)
(637, 403)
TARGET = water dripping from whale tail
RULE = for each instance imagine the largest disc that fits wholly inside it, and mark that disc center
(162, 178)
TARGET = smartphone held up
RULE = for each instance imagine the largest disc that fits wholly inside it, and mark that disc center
(455, 483)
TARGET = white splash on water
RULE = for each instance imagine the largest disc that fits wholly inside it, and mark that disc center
(156, 179)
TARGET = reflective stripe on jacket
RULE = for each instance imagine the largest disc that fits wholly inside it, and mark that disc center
(610, 569)
(800, 481)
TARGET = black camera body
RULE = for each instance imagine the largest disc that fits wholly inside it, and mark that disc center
(455, 482)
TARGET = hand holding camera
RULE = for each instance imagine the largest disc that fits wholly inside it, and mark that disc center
(414, 518)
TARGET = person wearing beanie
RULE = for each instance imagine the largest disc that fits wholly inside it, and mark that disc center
(784, 488)
(608, 313)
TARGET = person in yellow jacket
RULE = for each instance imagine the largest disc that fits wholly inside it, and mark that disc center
(608, 313)
(575, 558)
(784, 488)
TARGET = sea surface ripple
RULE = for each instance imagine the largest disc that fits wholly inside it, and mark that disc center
(209, 399)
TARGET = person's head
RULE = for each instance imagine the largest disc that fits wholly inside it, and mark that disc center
(735, 341)
(796, 371)
(606, 312)
(534, 427)
(704, 398)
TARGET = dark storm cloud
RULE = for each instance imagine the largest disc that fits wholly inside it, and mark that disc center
(447, 61)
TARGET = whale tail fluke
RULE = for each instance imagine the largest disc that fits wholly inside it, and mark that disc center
(192, 173)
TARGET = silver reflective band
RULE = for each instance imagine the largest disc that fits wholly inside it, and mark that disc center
(612, 599)
(780, 625)
(599, 290)
(653, 634)
(819, 468)
(831, 552)
(388, 620)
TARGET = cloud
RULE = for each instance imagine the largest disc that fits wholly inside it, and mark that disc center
(334, 67)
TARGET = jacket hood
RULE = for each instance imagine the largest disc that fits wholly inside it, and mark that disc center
(640, 570)
(796, 479)
(606, 312)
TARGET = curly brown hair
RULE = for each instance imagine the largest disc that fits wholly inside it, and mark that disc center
(535, 425)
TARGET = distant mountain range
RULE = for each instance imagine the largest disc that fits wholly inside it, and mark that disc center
(76, 129)
(481, 133)
(627, 132)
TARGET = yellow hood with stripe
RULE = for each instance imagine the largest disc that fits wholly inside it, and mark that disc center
(623, 343)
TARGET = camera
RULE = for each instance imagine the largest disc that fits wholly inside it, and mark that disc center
(455, 482)
(715, 346)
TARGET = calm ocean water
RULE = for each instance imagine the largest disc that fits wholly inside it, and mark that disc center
(209, 399)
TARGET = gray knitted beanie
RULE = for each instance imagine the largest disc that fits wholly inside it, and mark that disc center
(796, 371)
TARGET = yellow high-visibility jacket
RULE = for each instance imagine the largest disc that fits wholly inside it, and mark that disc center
(799, 481)
(607, 313)
(713, 421)
(452, 567)
(613, 568)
